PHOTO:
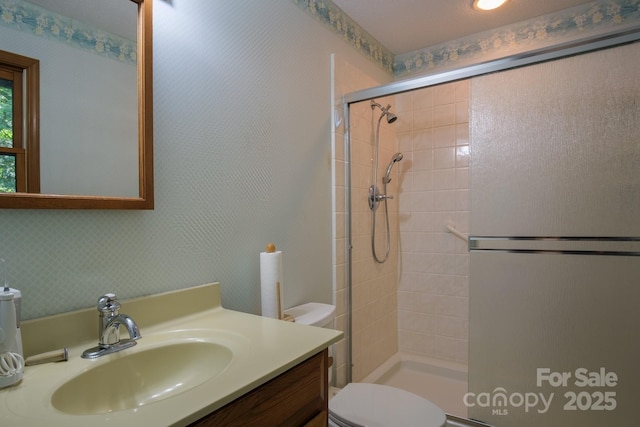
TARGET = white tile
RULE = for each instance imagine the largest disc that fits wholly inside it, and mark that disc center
(462, 178)
(444, 136)
(423, 201)
(452, 327)
(462, 112)
(404, 102)
(444, 115)
(423, 180)
(413, 321)
(444, 94)
(443, 263)
(424, 243)
(462, 90)
(461, 264)
(462, 200)
(423, 118)
(451, 306)
(423, 221)
(403, 123)
(423, 160)
(462, 156)
(405, 142)
(422, 98)
(422, 139)
(416, 343)
(462, 134)
(443, 242)
(448, 348)
(444, 179)
(444, 200)
(444, 157)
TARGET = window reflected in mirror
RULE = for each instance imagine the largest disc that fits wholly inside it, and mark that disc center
(8, 178)
(19, 148)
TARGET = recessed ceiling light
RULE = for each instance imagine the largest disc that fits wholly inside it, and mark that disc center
(488, 4)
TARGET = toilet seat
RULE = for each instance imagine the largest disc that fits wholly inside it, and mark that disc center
(375, 405)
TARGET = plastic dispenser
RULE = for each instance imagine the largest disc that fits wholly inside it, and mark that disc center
(11, 360)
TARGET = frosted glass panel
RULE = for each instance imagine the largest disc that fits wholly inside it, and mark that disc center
(566, 133)
(555, 152)
(557, 312)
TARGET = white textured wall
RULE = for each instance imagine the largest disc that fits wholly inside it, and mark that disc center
(242, 158)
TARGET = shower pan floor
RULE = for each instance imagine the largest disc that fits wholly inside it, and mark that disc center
(443, 383)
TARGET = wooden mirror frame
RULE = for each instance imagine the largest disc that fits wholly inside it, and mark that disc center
(145, 141)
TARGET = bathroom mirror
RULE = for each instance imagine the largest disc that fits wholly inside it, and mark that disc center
(130, 151)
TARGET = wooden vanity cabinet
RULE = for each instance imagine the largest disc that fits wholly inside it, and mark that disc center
(295, 398)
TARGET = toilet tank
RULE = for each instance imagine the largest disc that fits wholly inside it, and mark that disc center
(314, 314)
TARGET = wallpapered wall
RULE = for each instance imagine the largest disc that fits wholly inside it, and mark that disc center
(242, 158)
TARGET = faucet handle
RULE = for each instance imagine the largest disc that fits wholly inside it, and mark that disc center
(108, 304)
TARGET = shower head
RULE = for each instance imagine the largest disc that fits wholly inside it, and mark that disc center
(391, 117)
(387, 176)
(385, 112)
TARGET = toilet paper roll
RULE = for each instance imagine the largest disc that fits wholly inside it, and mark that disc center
(270, 277)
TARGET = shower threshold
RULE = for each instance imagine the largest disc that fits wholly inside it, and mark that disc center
(453, 421)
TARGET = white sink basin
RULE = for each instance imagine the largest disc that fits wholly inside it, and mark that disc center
(132, 378)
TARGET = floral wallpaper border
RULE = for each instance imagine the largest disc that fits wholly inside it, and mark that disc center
(340, 23)
(592, 18)
(571, 24)
(580, 21)
(22, 16)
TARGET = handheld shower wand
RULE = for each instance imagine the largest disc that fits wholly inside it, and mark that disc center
(387, 176)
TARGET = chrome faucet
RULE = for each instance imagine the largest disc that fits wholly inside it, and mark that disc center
(109, 324)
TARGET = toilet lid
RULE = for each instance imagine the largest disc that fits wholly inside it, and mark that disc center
(375, 405)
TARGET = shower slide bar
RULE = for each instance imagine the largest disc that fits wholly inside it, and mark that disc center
(453, 230)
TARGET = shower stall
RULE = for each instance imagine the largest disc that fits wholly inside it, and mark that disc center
(418, 300)
(374, 233)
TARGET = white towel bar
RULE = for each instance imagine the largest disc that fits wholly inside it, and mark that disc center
(451, 229)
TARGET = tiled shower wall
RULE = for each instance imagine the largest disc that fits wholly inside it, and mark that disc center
(374, 285)
(374, 322)
(433, 300)
(416, 302)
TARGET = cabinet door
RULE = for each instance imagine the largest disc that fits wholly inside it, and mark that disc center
(296, 398)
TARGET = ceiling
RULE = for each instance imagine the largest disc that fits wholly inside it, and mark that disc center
(406, 25)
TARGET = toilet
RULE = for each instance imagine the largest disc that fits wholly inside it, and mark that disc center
(369, 405)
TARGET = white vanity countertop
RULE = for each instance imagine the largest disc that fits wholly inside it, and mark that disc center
(263, 349)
